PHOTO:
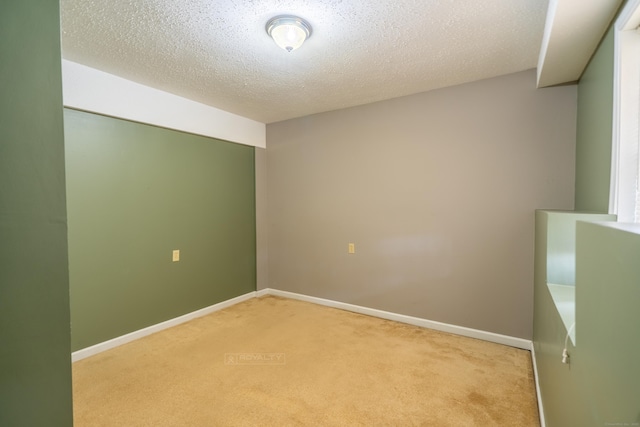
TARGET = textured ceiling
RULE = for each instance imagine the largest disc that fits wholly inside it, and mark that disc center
(217, 52)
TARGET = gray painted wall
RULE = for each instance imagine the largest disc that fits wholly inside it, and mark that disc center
(436, 190)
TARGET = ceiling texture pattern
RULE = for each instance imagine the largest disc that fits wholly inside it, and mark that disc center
(217, 51)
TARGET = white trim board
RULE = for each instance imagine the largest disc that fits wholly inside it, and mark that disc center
(430, 324)
(118, 341)
(88, 89)
(538, 394)
(424, 323)
(263, 292)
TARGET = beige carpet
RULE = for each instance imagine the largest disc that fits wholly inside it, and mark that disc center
(278, 362)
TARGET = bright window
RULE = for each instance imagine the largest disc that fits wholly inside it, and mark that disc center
(625, 167)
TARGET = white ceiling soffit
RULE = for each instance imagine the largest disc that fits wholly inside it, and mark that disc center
(572, 32)
(217, 51)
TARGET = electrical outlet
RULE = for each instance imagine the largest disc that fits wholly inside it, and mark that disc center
(176, 255)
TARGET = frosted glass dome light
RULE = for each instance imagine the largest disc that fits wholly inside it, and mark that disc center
(289, 32)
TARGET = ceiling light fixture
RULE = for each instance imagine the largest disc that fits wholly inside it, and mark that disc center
(289, 32)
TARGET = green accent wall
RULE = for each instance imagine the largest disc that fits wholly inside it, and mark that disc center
(564, 396)
(599, 386)
(35, 361)
(562, 399)
(137, 192)
(594, 130)
(605, 361)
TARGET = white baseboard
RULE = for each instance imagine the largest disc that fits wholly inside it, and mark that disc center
(444, 327)
(535, 375)
(118, 341)
(262, 292)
